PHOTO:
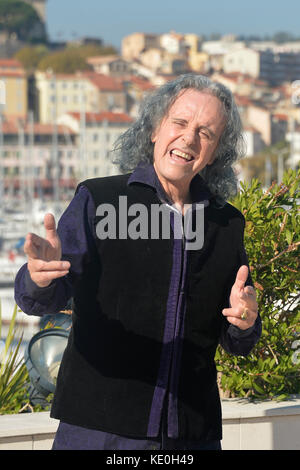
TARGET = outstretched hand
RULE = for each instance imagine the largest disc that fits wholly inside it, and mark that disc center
(243, 305)
(44, 255)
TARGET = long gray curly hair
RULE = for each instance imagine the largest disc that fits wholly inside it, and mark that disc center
(135, 146)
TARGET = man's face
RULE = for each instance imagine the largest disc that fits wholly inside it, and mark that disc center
(186, 140)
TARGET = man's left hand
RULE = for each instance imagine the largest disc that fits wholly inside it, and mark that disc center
(243, 310)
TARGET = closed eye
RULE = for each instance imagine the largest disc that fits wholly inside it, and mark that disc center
(180, 122)
(204, 133)
(207, 133)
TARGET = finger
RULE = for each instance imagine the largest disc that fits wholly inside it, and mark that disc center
(44, 278)
(50, 227)
(234, 316)
(248, 301)
(32, 244)
(41, 265)
(233, 312)
(241, 277)
(250, 290)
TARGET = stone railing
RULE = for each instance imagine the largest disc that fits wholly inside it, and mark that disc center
(266, 425)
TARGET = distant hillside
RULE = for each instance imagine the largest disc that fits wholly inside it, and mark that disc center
(20, 20)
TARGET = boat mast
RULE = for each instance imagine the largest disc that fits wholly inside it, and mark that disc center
(55, 158)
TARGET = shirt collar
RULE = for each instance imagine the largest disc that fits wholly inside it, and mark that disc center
(145, 173)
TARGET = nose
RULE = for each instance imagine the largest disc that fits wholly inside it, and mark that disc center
(189, 136)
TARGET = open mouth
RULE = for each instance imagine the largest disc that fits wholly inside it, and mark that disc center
(181, 156)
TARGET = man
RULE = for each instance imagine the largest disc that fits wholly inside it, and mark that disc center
(149, 312)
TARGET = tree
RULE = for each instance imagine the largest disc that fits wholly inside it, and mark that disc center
(65, 61)
(73, 58)
(272, 243)
(21, 19)
(30, 56)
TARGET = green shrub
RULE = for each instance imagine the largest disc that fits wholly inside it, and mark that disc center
(272, 369)
(13, 373)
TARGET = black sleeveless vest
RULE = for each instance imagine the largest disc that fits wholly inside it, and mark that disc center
(110, 367)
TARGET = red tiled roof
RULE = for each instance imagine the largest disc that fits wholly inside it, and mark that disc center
(281, 116)
(102, 59)
(236, 76)
(10, 63)
(104, 82)
(104, 116)
(11, 127)
(141, 83)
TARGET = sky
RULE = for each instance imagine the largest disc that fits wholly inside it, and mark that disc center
(111, 20)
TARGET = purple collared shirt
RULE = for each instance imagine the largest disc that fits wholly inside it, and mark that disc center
(34, 300)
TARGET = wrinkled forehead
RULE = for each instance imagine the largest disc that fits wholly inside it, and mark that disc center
(179, 101)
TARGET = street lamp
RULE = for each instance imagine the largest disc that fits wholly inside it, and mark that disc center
(43, 356)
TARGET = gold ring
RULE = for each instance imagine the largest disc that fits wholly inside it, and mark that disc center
(244, 315)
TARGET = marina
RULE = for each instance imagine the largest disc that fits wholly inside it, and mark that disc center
(14, 225)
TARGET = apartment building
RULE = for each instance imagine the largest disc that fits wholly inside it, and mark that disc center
(137, 89)
(222, 46)
(174, 43)
(253, 141)
(96, 134)
(271, 125)
(110, 93)
(197, 59)
(293, 136)
(135, 43)
(13, 89)
(242, 84)
(60, 93)
(273, 67)
(79, 92)
(111, 65)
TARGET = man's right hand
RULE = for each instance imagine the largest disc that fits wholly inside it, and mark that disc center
(44, 255)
